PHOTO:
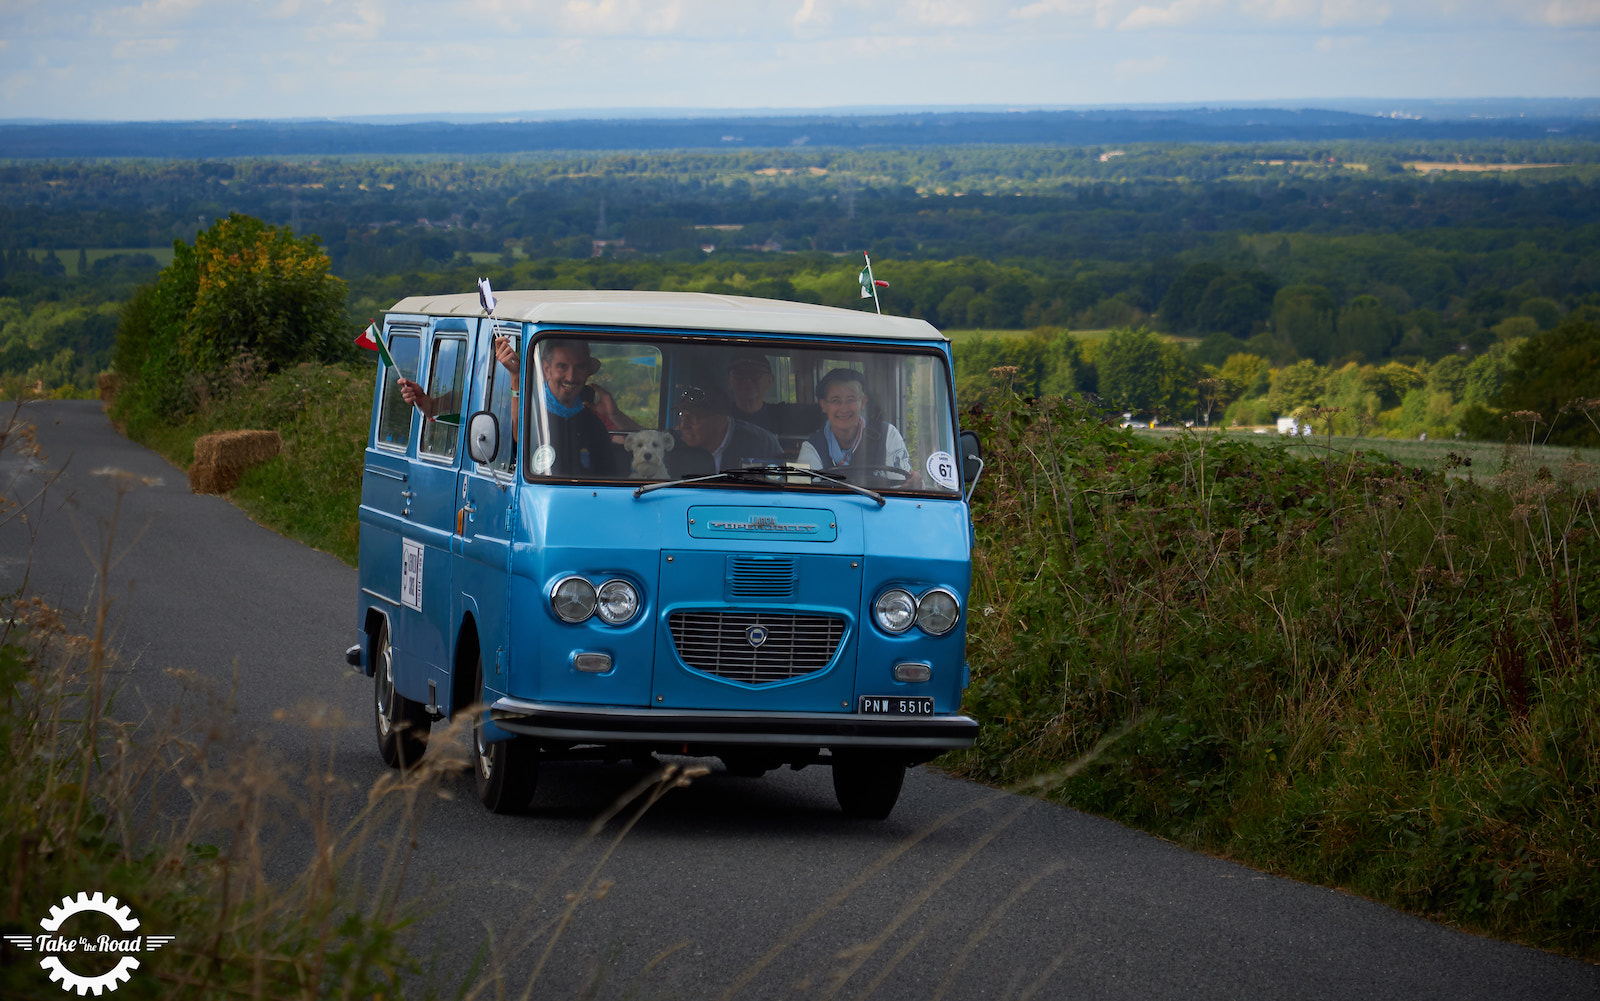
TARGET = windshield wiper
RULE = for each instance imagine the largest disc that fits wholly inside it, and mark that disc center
(775, 469)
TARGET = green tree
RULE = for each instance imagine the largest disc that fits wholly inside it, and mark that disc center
(1140, 371)
(1303, 314)
(1300, 385)
(1557, 375)
(243, 288)
(1367, 329)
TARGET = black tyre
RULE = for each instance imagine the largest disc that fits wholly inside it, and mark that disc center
(402, 724)
(867, 785)
(505, 771)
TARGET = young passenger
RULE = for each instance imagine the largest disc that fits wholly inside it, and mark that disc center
(847, 437)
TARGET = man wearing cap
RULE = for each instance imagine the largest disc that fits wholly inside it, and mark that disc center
(704, 422)
(573, 440)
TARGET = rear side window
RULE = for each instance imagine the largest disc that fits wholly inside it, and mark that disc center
(446, 385)
(394, 420)
(501, 402)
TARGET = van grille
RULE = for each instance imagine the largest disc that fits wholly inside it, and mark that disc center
(718, 643)
(762, 576)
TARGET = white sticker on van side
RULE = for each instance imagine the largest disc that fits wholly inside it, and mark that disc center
(942, 469)
(411, 574)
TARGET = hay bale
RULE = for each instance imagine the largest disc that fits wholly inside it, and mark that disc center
(108, 383)
(222, 457)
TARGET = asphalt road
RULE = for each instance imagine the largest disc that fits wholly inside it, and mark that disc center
(730, 888)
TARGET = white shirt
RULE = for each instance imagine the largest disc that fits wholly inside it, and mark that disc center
(894, 452)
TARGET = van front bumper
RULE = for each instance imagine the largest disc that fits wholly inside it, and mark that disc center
(614, 724)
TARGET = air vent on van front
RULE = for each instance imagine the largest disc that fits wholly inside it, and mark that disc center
(756, 648)
(762, 577)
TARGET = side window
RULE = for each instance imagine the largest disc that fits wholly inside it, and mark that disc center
(502, 404)
(394, 418)
(446, 385)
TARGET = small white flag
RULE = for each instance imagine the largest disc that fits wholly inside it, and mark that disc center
(486, 296)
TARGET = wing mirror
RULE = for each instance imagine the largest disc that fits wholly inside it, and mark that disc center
(971, 460)
(483, 437)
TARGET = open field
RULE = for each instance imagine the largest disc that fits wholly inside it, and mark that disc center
(1088, 336)
(1424, 166)
(69, 255)
(1480, 460)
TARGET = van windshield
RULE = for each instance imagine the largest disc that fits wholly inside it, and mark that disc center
(667, 409)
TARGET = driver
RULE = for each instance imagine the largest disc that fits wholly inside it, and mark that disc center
(847, 437)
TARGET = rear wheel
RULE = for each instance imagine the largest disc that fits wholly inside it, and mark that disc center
(402, 724)
(867, 785)
(505, 771)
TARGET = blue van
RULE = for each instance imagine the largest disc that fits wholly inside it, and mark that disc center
(615, 524)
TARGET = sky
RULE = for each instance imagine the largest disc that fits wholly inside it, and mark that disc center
(138, 60)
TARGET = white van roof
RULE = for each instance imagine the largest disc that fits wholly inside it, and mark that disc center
(675, 310)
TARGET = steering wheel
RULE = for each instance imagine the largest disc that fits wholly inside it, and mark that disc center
(843, 472)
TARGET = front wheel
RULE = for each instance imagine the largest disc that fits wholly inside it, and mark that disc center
(867, 785)
(504, 771)
(402, 724)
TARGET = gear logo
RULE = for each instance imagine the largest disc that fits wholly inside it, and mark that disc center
(56, 944)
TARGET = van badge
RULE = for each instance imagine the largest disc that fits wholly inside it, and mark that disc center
(763, 523)
(757, 635)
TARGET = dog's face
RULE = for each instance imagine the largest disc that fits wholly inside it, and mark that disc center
(648, 448)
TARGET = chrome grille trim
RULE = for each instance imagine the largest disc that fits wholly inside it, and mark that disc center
(762, 576)
(714, 642)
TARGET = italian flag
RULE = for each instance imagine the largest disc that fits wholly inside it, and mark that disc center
(868, 282)
(372, 340)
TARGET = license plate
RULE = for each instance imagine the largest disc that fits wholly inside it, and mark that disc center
(895, 705)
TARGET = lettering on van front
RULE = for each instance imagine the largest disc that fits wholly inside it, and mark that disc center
(761, 523)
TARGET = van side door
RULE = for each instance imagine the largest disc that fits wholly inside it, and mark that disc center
(427, 591)
(386, 487)
(485, 510)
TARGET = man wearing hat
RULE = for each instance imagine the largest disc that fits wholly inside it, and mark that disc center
(705, 422)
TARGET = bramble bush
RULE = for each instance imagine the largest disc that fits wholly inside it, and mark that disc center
(1346, 670)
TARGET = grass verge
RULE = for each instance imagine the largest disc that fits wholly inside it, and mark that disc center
(1342, 668)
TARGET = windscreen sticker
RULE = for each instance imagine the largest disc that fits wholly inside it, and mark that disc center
(942, 470)
(544, 460)
(411, 574)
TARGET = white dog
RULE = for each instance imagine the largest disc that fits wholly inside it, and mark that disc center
(649, 450)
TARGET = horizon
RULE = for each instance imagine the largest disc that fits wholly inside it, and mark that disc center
(1436, 108)
(346, 60)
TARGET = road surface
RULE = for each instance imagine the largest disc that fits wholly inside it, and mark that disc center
(732, 887)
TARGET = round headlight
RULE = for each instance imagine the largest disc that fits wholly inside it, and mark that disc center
(895, 610)
(573, 599)
(938, 611)
(618, 602)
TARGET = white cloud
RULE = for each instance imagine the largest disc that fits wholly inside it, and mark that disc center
(942, 13)
(1174, 15)
(622, 17)
(1363, 12)
(1568, 13)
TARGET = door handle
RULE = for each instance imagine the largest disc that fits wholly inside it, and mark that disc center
(461, 517)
